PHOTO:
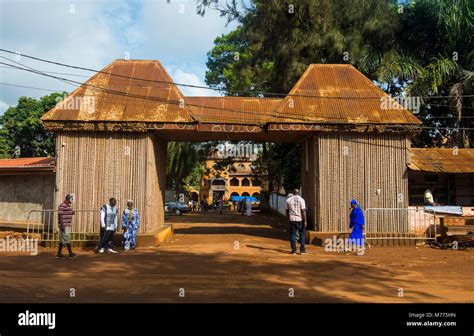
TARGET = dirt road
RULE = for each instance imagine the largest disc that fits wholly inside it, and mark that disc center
(230, 258)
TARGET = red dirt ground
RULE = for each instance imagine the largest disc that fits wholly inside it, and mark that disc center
(202, 259)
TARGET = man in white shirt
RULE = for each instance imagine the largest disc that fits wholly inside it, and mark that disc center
(108, 226)
(296, 214)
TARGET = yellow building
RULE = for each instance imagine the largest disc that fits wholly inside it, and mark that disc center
(234, 180)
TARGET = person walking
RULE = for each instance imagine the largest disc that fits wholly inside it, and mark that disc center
(130, 225)
(296, 215)
(65, 214)
(356, 223)
(108, 226)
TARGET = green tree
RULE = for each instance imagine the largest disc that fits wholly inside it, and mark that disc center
(432, 56)
(182, 160)
(279, 163)
(276, 41)
(422, 49)
(21, 126)
(193, 180)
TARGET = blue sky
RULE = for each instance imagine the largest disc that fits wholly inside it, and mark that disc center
(92, 33)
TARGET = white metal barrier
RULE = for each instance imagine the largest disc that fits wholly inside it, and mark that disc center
(44, 225)
(278, 202)
(400, 223)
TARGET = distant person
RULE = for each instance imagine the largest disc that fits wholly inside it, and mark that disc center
(202, 206)
(248, 206)
(356, 223)
(130, 226)
(242, 206)
(65, 214)
(297, 232)
(296, 215)
(220, 205)
(190, 205)
(429, 199)
(108, 226)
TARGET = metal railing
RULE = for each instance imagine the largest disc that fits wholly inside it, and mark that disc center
(400, 223)
(44, 225)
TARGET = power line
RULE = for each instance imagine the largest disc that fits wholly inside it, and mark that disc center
(123, 94)
(421, 127)
(154, 99)
(53, 72)
(445, 117)
(464, 107)
(200, 86)
(28, 87)
(74, 83)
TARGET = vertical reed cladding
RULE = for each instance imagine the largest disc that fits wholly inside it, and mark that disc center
(351, 165)
(308, 183)
(96, 166)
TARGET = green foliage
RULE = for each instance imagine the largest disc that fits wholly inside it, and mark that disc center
(275, 43)
(280, 165)
(182, 160)
(229, 66)
(21, 126)
(438, 36)
(274, 46)
(424, 50)
(193, 180)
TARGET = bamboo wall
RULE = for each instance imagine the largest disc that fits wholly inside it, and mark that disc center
(346, 165)
(96, 166)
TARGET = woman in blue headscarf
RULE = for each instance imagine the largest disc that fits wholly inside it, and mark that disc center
(356, 224)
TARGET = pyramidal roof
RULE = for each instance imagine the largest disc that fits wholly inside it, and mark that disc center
(339, 93)
(140, 91)
(124, 91)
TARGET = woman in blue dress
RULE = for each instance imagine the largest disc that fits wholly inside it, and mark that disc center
(357, 225)
(130, 225)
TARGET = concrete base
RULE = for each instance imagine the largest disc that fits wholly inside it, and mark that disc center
(148, 239)
(17, 226)
(154, 238)
(318, 238)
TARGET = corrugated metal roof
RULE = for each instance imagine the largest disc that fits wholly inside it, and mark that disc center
(27, 162)
(442, 160)
(122, 98)
(233, 110)
(118, 101)
(326, 83)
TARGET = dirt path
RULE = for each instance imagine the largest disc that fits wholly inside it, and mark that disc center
(230, 258)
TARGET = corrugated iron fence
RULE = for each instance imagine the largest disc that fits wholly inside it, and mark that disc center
(44, 225)
(385, 224)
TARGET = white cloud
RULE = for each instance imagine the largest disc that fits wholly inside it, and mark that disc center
(99, 32)
(3, 106)
(179, 76)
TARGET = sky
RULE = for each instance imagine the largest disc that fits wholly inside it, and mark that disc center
(93, 33)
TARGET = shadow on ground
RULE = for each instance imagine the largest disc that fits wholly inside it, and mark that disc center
(157, 276)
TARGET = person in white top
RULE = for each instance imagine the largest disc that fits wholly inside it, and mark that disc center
(108, 226)
(429, 199)
(296, 215)
(248, 206)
